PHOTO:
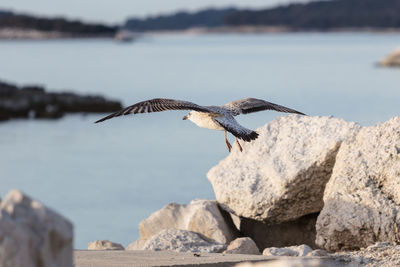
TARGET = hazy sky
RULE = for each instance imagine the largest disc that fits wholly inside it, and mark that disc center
(116, 11)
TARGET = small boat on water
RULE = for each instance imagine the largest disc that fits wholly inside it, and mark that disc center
(126, 36)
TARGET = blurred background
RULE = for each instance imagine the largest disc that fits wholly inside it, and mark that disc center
(65, 64)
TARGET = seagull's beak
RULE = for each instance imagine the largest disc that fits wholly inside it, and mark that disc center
(185, 118)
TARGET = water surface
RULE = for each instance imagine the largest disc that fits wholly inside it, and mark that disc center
(108, 177)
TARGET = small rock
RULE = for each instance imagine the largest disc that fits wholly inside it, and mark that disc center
(293, 251)
(182, 241)
(104, 245)
(392, 60)
(318, 253)
(243, 245)
(32, 234)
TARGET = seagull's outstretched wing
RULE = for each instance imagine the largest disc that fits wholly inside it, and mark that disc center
(156, 105)
(249, 105)
(231, 125)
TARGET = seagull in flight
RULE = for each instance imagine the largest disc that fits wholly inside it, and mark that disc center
(212, 117)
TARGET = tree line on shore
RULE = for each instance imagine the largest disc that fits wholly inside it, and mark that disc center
(324, 15)
(22, 21)
(316, 15)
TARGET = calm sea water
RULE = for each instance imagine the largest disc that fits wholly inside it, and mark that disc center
(108, 177)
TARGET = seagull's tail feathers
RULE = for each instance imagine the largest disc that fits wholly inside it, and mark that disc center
(247, 136)
(240, 132)
(252, 136)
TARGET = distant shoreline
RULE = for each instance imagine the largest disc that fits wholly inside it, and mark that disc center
(270, 29)
(25, 34)
(30, 34)
(18, 34)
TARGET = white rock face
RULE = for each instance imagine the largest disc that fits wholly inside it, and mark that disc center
(200, 216)
(243, 245)
(281, 175)
(293, 251)
(33, 235)
(182, 241)
(104, 245)
(363, 196)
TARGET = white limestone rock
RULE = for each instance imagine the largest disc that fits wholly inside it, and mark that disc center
(243, 245)
(200, 216)
(32, 234)
(182, 241)
(281, 175)
(363, 196)
(293, 251)
(104, 245)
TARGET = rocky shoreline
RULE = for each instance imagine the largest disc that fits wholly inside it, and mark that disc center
(35, 102)
(310, 191)
(307, 187)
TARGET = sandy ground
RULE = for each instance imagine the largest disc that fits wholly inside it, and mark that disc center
(96, 258)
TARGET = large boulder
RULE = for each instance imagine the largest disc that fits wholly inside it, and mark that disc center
(200, 216)
(281, 176)
(182, 241)
(362, 199)
(32, 234)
